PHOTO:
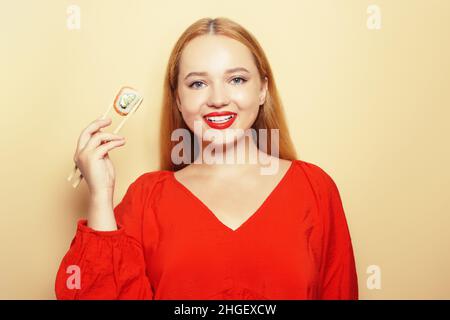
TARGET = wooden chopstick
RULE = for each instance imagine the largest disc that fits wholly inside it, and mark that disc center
(135, 107)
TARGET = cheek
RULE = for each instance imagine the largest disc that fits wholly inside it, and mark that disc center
(191, 103)
(191, 107)
(246, 100)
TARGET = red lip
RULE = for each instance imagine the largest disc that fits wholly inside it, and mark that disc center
(222, 125)
(215, 114)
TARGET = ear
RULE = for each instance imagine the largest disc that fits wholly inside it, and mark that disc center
(263, 92)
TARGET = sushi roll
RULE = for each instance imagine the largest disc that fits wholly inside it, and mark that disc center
(126, 100)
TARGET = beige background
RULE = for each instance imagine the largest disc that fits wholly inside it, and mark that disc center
(371, 107)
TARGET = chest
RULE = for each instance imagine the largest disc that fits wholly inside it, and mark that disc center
(271, 255)
(232, 203)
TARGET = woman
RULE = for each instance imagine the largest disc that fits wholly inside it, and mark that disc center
(211, 230)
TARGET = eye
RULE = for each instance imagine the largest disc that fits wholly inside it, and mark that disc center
(243, 80)
(193, 83)
(195, 86)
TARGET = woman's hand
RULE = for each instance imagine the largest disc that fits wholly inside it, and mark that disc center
(91, 157)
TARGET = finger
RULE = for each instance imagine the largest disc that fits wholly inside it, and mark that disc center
(91, 129)
(101, 151)
(109, 163)
(99, 138)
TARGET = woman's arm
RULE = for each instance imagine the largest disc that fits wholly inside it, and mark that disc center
(109, 264)
(338, 271)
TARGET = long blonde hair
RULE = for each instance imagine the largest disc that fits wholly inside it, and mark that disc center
(271, 115)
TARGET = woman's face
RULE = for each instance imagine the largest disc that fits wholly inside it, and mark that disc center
(218, 74)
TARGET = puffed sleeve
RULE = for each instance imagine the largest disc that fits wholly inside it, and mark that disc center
(109, 264)
(338, 277)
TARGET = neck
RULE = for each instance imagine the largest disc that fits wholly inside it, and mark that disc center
(231, 159)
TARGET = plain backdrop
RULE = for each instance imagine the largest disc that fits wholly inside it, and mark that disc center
(369, 106)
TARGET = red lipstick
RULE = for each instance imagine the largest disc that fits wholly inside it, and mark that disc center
(220, 120)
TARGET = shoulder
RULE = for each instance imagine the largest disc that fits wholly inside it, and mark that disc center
(147, 181)
(319, 179)
(152, 177)
(327, 196)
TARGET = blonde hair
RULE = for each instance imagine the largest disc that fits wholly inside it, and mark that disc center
(270, 116)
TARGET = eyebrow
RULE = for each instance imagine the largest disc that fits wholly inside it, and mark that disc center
(206, 73)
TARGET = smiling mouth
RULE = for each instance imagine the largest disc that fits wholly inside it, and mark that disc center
(220, 119)
(220, 122)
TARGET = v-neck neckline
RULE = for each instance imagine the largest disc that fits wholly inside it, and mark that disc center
(251, 217)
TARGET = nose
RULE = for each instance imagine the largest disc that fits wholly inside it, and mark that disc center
(218, 97)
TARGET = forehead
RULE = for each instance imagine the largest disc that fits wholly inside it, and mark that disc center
(215, 54)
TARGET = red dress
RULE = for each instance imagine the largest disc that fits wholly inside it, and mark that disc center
(169, 245)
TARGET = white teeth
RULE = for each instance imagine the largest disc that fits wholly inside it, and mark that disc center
(220, 119)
